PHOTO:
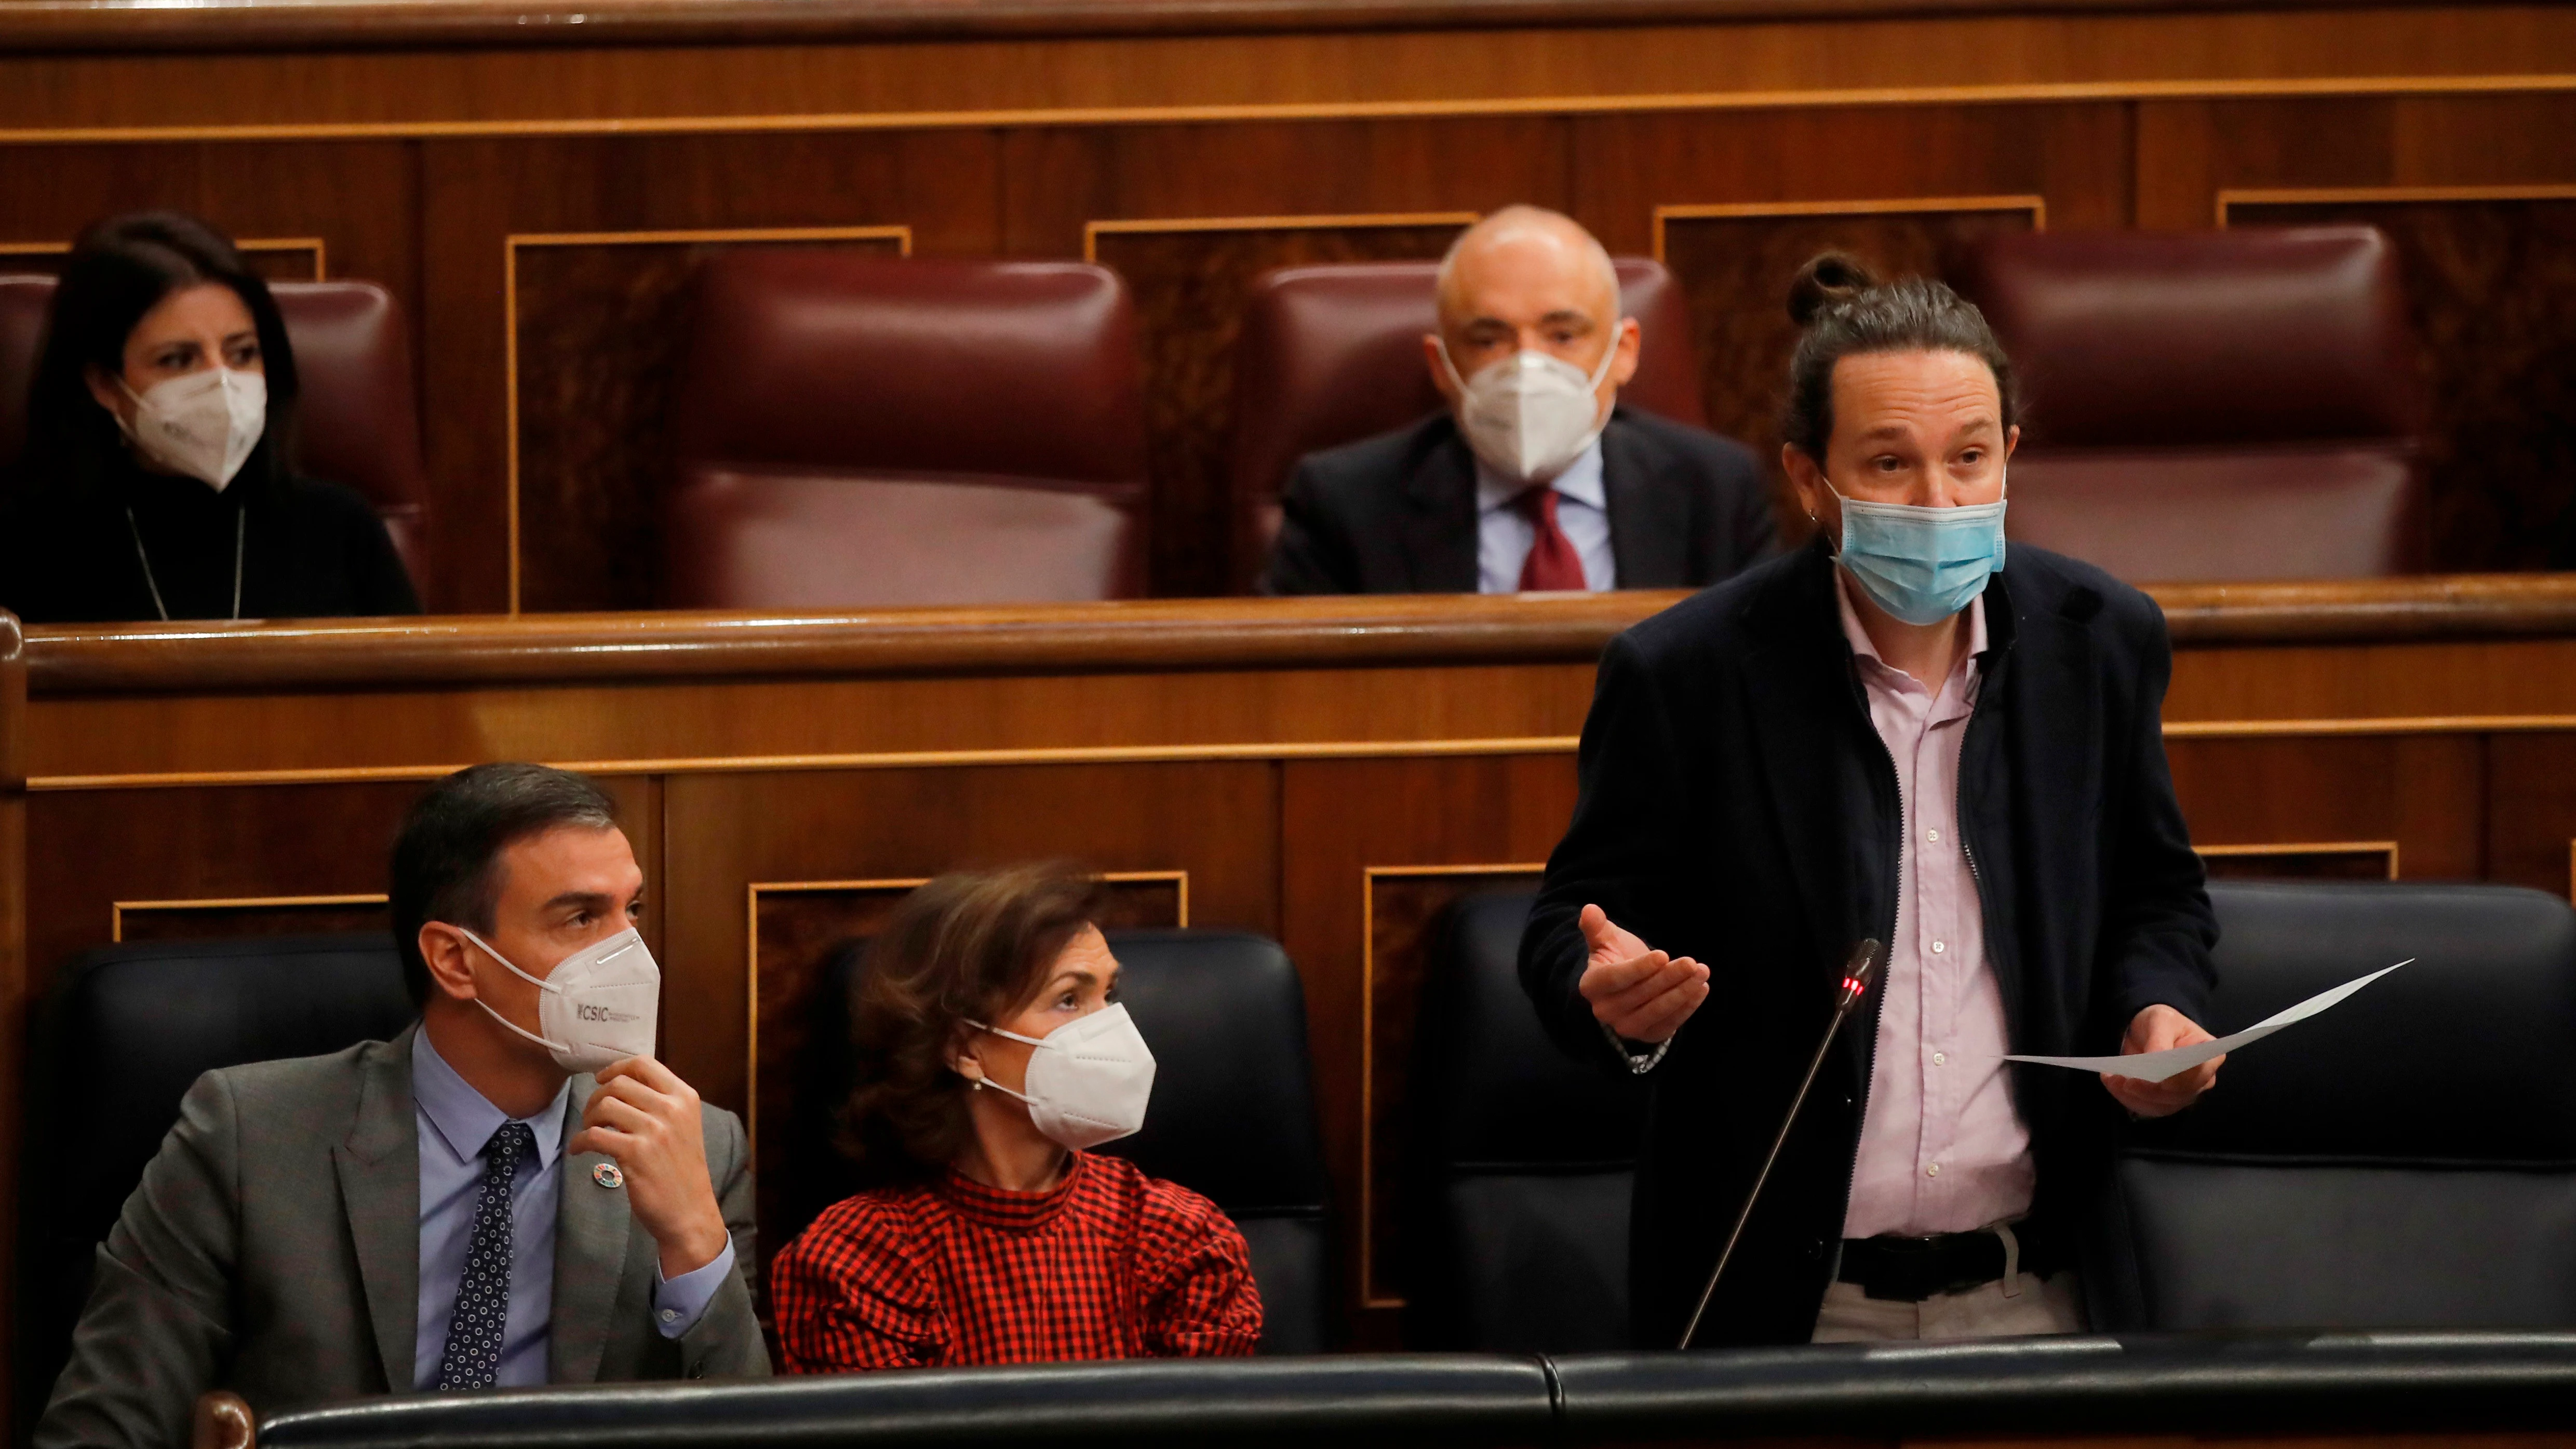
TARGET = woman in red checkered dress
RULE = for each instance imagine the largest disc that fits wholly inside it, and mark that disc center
(993, 1238)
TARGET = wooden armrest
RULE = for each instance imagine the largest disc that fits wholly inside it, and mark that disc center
(223, 1421)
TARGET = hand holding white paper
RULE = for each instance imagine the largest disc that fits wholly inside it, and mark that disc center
(2174, 1061)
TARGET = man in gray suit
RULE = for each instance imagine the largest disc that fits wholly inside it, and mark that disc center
(465, 1206)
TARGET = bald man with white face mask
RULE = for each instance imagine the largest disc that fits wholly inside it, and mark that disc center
(1534, 477)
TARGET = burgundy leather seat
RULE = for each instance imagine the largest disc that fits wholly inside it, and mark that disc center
(2223, 405)
(358, 422)
(861, 430)
(1332, 354)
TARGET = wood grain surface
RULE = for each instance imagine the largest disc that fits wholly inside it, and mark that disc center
(415, 166)
(1329, 773)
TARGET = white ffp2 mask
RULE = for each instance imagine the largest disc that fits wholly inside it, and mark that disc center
(1529, 415)
(597, 1007)
(203, 424)
(1088, 1080)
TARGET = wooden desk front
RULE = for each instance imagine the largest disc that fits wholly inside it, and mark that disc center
(1330, 773)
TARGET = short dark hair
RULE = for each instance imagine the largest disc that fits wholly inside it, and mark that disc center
(119, 269)
(445, 865)
(1845, 311)
(969, 946)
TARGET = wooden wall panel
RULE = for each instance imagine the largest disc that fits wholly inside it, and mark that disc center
(260, 916)
(592, 442)
(2326, 860)
(2426, 793)
(2531, 809)
(239, 844)
(1341, 821)
(2491, 289)
(275, 259)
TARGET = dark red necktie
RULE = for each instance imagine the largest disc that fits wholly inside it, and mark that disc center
(1553, 565)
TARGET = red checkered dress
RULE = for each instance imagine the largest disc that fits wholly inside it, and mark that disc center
(1109, 1263)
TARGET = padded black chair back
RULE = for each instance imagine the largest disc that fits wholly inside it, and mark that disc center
(124, 1034)
(1232, 1115)
(1522, 1160)
(2408, 1159)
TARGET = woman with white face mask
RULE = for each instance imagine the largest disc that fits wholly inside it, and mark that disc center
(993, 1053)
(154, 484)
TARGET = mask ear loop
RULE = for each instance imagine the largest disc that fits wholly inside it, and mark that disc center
(552, 1046)
(981, 1081)
(1449, 367)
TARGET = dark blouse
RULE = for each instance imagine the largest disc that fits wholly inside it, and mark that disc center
(308, 549)
(1109, 1263)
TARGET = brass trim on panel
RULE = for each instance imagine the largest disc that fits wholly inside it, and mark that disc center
(2037, 206)
(1092, 231)
(2002, 93)
(510, 245)
(888, 760)
(262, 244)
(1368, 1044)
(2329, 195)
(751, 960)
(116, 909)
(2310, 847)
(1188, 754)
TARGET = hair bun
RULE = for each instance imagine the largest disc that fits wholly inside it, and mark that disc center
(1827, 279)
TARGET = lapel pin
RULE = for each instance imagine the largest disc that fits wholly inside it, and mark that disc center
(607, 1175)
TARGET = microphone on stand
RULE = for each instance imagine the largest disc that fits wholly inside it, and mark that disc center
(1856, 979)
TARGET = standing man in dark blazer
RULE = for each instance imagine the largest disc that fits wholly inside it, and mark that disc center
(1535, 478)
(511, 1192)
(1900, 734)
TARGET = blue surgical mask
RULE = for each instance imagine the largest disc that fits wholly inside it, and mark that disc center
(1922, 564)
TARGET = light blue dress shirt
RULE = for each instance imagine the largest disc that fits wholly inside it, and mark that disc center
(454, 1122)
(1504, 534)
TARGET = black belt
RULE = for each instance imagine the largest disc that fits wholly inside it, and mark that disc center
(1910, 1270)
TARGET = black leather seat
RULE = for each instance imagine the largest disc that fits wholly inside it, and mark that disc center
(125, 1032)
(1232, 1116)
(2406, 1160)
(1521, 1160)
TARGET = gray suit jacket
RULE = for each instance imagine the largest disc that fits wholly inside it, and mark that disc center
(273, 1248)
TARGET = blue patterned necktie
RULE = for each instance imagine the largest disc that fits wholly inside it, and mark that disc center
(472, 1359)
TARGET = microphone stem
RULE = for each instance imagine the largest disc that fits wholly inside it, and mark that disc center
(1833, 1028)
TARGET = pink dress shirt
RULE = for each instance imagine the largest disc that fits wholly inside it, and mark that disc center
(1942, 1149)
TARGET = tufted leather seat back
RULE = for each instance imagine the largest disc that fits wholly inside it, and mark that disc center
(855, 430)
(1332, 354)
(1522, 1159)
(2211, 405)
(2406, 1160)
(358, 421)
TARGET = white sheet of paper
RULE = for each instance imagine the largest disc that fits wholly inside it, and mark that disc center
(2174, 1061)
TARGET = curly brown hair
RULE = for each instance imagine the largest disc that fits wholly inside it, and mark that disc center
(969, 946)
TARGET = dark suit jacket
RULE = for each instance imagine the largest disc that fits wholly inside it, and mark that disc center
(273, 1248)
(1396, 514)
(1737, 806)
